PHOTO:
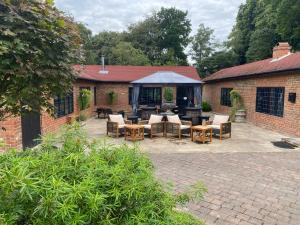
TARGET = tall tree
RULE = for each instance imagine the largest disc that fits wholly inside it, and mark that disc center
(103, 44)
(243, 29)
(144, 35)
(288, 20)
(125, 54)
(90, 55)
(174, 28)
(163, 36)
(203, 43)
(38, 45)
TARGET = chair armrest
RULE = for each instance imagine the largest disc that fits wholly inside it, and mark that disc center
(143, 122)
(184, 122)
(226, 127)
(157, 127)
(128, 121)
(208, 122)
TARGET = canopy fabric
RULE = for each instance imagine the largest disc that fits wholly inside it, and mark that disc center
(166, 77)
(135, 99)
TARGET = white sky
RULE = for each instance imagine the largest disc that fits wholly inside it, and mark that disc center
(116, 15)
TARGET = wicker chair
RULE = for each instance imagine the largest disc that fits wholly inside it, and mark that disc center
(177, 127)
(116, 125)
(220, 125)
(154, 125)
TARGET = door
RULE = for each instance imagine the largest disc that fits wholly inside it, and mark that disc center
(31, 129)
(184, 97)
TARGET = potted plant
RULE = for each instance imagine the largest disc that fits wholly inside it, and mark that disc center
(168, 103)
(238, 112)
(112, 97)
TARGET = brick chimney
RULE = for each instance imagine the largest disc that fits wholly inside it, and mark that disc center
(281, 49)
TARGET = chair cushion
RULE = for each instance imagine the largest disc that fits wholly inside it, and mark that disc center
(117, 119)
(174, 119)
(214, 126)
(155, 119)
(218, 119)
(182, 127)
(121, 126)
(147, 126)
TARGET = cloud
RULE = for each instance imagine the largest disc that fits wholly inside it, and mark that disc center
(116, 15)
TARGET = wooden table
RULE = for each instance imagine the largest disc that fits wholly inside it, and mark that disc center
(134, 132)
(205, 133)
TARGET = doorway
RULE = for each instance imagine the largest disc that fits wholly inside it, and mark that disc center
(31, 129)
(184, 97)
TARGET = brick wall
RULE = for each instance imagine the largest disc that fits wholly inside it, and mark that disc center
(12, 135)
(289, 123)
(50, 124)
(122, 91)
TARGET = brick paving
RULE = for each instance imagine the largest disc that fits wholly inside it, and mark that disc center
(243, 188)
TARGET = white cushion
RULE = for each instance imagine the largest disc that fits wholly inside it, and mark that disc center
(214, 126)
(121, 126)
(218, 119)
(147, 126)
(117, 119)
(182, 127)
(155, 119)
(174, 119)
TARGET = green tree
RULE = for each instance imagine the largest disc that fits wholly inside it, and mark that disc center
(163, 36)
(125, 54)
(174, 28)
(239, 39)
(87, 45)
(216, 61)
(38, 45)
(144, 35)
(203, 43)
(288, 22)
(103, 44)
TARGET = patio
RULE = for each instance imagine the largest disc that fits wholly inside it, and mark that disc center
(249, 180)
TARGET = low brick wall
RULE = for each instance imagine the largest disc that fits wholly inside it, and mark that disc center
(288, 124)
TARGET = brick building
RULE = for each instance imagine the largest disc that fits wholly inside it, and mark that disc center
(20, 131)
(270, 90)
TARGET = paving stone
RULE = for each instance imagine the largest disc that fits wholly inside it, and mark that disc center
(244, 188)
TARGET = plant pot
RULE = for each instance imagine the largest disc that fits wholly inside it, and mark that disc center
(240, 116)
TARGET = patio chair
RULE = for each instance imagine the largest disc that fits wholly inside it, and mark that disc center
(220, 125)
(116, 125)
(178, 127)
(154, 125)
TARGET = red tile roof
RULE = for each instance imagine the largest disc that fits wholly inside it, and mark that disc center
(288, 63)
(130, 73)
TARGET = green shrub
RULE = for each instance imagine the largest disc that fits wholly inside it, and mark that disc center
(82, 117)
(168, 94)
(236, 102)
(70, 180)
(206, 107)
(112, 97)
(84, 99)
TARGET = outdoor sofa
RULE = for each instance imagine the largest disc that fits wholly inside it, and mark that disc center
(116, 125)
(220, 125)
(154, 126)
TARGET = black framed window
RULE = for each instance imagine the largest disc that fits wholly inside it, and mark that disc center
(63, 105)
(225, 97)
(270, 100)
(147, 96)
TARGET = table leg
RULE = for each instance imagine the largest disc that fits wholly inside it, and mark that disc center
(203, 136)
(210, 135)
(192, 134)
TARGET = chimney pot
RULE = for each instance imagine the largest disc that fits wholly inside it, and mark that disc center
(281, 49)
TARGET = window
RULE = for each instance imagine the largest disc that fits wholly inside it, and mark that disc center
(63, 105)
(148, 96)
(270, 100)
(225, 97)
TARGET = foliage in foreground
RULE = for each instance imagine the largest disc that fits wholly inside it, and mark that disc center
(86, 183)
(38, 45)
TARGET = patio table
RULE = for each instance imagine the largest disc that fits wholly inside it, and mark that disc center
(134, 132)
(204, 133)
